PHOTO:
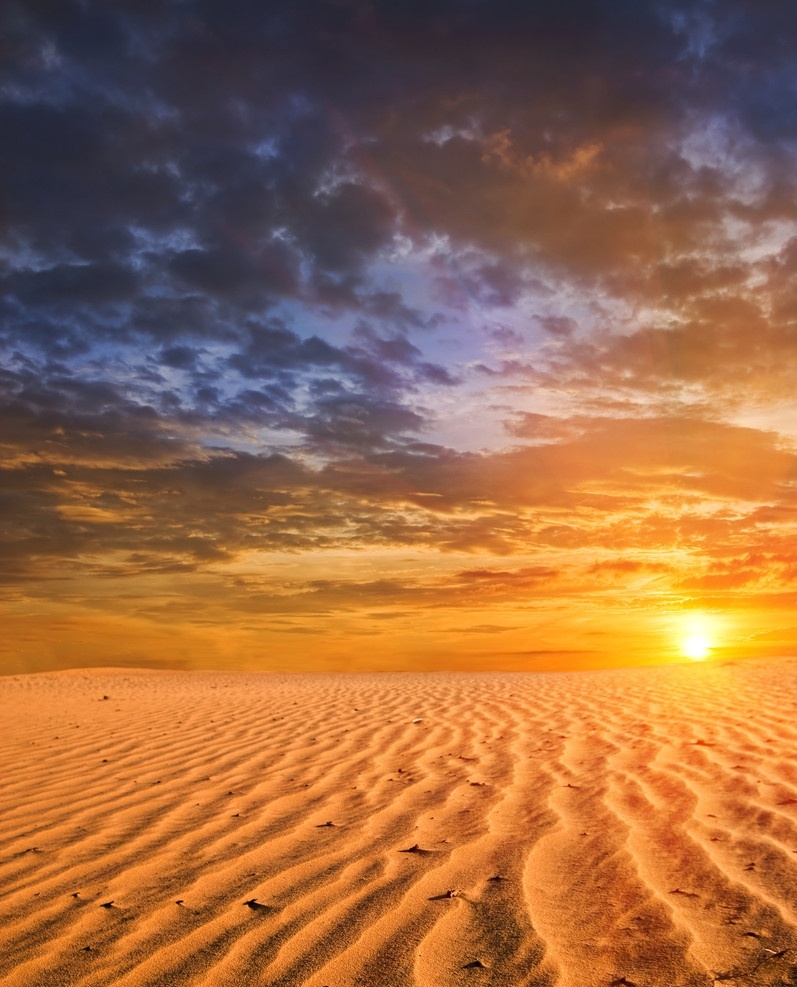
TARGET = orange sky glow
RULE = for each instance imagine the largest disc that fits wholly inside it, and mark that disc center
(380, 338)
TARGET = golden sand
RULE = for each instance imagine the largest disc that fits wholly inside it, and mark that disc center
(632, 827)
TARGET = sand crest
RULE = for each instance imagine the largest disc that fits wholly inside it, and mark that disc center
(634, 827)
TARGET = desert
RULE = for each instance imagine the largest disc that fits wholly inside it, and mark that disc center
(581, 829)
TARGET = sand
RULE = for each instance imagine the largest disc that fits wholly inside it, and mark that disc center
(631, 827)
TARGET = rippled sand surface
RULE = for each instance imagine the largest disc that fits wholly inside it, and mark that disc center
(633, 827)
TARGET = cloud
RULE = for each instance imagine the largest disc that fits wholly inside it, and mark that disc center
(508, 286)
(115, 483)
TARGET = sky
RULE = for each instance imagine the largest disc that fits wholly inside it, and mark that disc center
(348, 335)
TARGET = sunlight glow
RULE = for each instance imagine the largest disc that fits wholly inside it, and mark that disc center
(696, 647)
(697, 634)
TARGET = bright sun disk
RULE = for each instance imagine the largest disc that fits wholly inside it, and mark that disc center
(697, 635)
(696, 647)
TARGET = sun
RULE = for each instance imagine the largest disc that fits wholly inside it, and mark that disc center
(697, 636)
(696, 647)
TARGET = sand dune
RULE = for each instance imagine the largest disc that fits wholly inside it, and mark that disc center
(634, 827)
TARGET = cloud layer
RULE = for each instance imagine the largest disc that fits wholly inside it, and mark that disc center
(355, 318)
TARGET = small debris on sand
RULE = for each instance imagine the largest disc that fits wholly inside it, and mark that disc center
(256, 905)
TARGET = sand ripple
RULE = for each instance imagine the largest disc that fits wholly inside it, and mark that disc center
(611, 828)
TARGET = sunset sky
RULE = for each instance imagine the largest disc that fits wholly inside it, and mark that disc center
(372, 335)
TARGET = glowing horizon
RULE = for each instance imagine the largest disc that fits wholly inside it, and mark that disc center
(347, 337)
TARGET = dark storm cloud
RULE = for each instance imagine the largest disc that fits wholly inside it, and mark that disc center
(179, 357)
(228, 273)
(389, 308)
(353, 393)
(92, 284)
(271, 347)
(259, 153)
(342, 228)
(150, 122)
(359, 421)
